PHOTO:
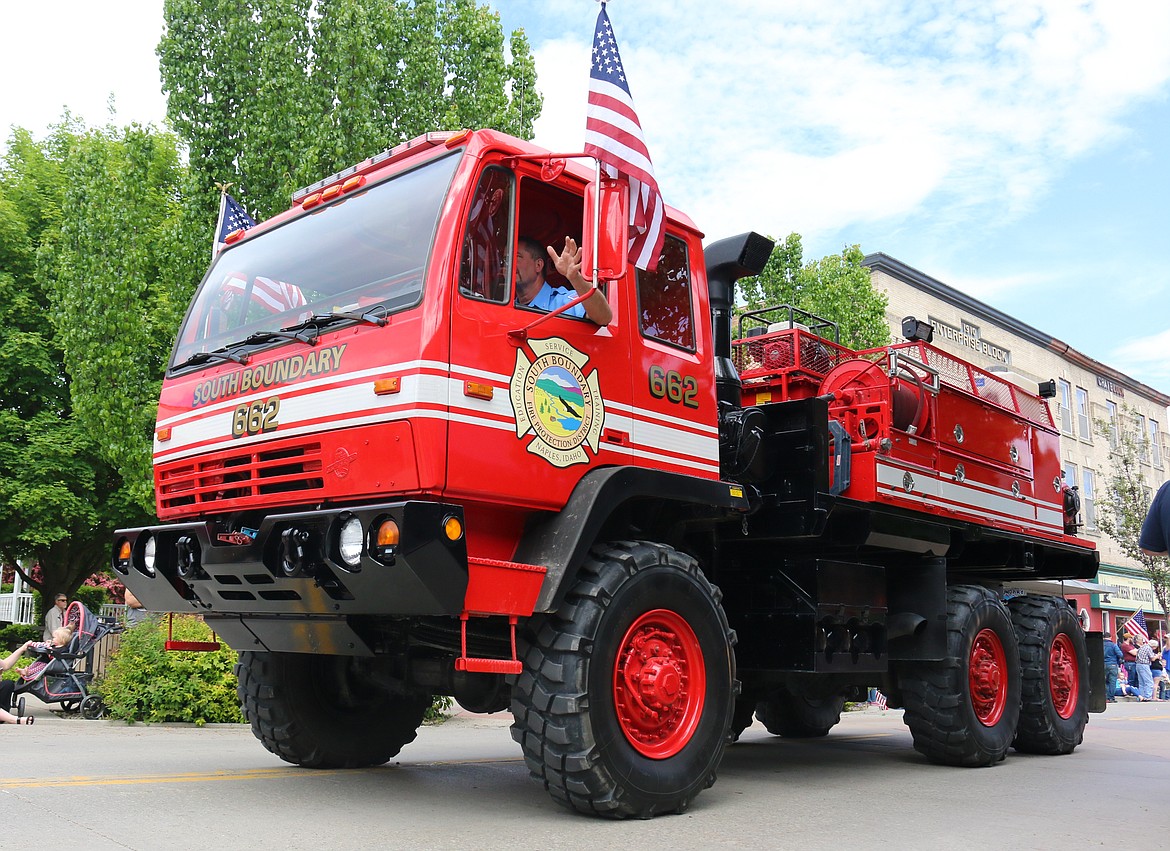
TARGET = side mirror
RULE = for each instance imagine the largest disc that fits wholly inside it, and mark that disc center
(611, 216)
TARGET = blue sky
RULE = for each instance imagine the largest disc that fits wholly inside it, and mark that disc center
(1014, 149)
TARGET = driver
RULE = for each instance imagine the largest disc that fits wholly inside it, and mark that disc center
(532, 290)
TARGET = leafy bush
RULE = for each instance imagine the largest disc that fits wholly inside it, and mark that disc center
(14, 635)
(145, 682)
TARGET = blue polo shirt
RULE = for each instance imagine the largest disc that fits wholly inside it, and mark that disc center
(550, 298)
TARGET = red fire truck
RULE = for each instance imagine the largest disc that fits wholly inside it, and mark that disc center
(380, 479)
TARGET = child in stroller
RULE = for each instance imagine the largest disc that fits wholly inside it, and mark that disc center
(55, 676)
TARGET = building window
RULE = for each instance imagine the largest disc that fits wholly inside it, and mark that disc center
(1088, 509)
(1111, 411)
(1143, 446)
(1083, 424)
(1065, 405)
(1155, 443)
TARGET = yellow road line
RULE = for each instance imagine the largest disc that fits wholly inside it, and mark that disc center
(197, 777)
(210, 776)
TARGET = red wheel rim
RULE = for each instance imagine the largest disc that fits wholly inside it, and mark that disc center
(1064, 676)
(659, 683)
(988, 677)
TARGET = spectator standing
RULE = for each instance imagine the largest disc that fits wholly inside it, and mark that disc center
(1129, 656)
(1145, 655)
(135, 613)
(1113, 660)
(55, 617)
(1158, 669)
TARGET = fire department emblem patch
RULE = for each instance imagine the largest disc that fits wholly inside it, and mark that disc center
(552, 399)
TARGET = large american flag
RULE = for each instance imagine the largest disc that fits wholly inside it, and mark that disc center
(1136, 626)
(232, 217)
(613, 134)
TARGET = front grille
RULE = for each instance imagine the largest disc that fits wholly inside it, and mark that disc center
(240, 480)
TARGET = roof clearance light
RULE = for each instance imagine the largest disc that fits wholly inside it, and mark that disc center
(458, 138)
(353, 183)
(311, 201)
(234, 236)
(331, 193)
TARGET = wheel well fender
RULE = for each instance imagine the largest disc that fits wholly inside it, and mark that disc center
(561, 541)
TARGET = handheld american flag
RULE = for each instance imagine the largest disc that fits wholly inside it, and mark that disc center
(1136, 626)
(613, 134)
(232, 217)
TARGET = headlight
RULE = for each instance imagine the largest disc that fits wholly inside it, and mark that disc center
(349, 542)
(148, 549)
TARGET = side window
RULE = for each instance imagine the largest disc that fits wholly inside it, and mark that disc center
(665, 309)
(485, 265)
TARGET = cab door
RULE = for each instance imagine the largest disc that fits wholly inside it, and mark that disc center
(532, 406)
(673, 417)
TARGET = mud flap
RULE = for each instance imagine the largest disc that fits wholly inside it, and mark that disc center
(1095, 644)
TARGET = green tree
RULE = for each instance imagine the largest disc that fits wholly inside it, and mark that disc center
(1128, 493)
(836, 287)
(58, 496)
(111, 317)
(273, 94)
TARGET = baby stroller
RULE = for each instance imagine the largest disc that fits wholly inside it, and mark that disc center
(59, 675)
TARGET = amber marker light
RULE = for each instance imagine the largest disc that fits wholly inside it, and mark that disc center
(388, 534)
(234, 236)
(312, 201)
(386, 386)
(163, 434)
(453, 528)
(478, 390)
(458, 138)
(331, 193)
(353, 183)
(124, 550)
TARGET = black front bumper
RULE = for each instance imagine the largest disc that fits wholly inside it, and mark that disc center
(209, 568)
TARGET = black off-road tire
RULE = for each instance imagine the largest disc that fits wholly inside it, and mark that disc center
(565, 704)
(317, 711)
(1054, 661)
(795, 716)
(949, 725)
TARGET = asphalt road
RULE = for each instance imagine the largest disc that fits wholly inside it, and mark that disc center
(107, 785)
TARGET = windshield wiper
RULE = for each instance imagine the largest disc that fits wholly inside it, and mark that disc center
(219, 355)
(300, 336)
(370, 317)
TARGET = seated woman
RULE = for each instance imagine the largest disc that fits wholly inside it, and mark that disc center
(6, 687)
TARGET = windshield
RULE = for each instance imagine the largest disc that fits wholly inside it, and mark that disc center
(362, 255)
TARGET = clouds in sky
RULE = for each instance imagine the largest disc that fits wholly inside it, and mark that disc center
(817, 115)
(1009, 148)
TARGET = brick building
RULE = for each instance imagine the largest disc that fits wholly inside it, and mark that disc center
(1088, 393)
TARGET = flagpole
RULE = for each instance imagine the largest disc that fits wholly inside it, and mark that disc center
(596, 214)
(223, 188)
